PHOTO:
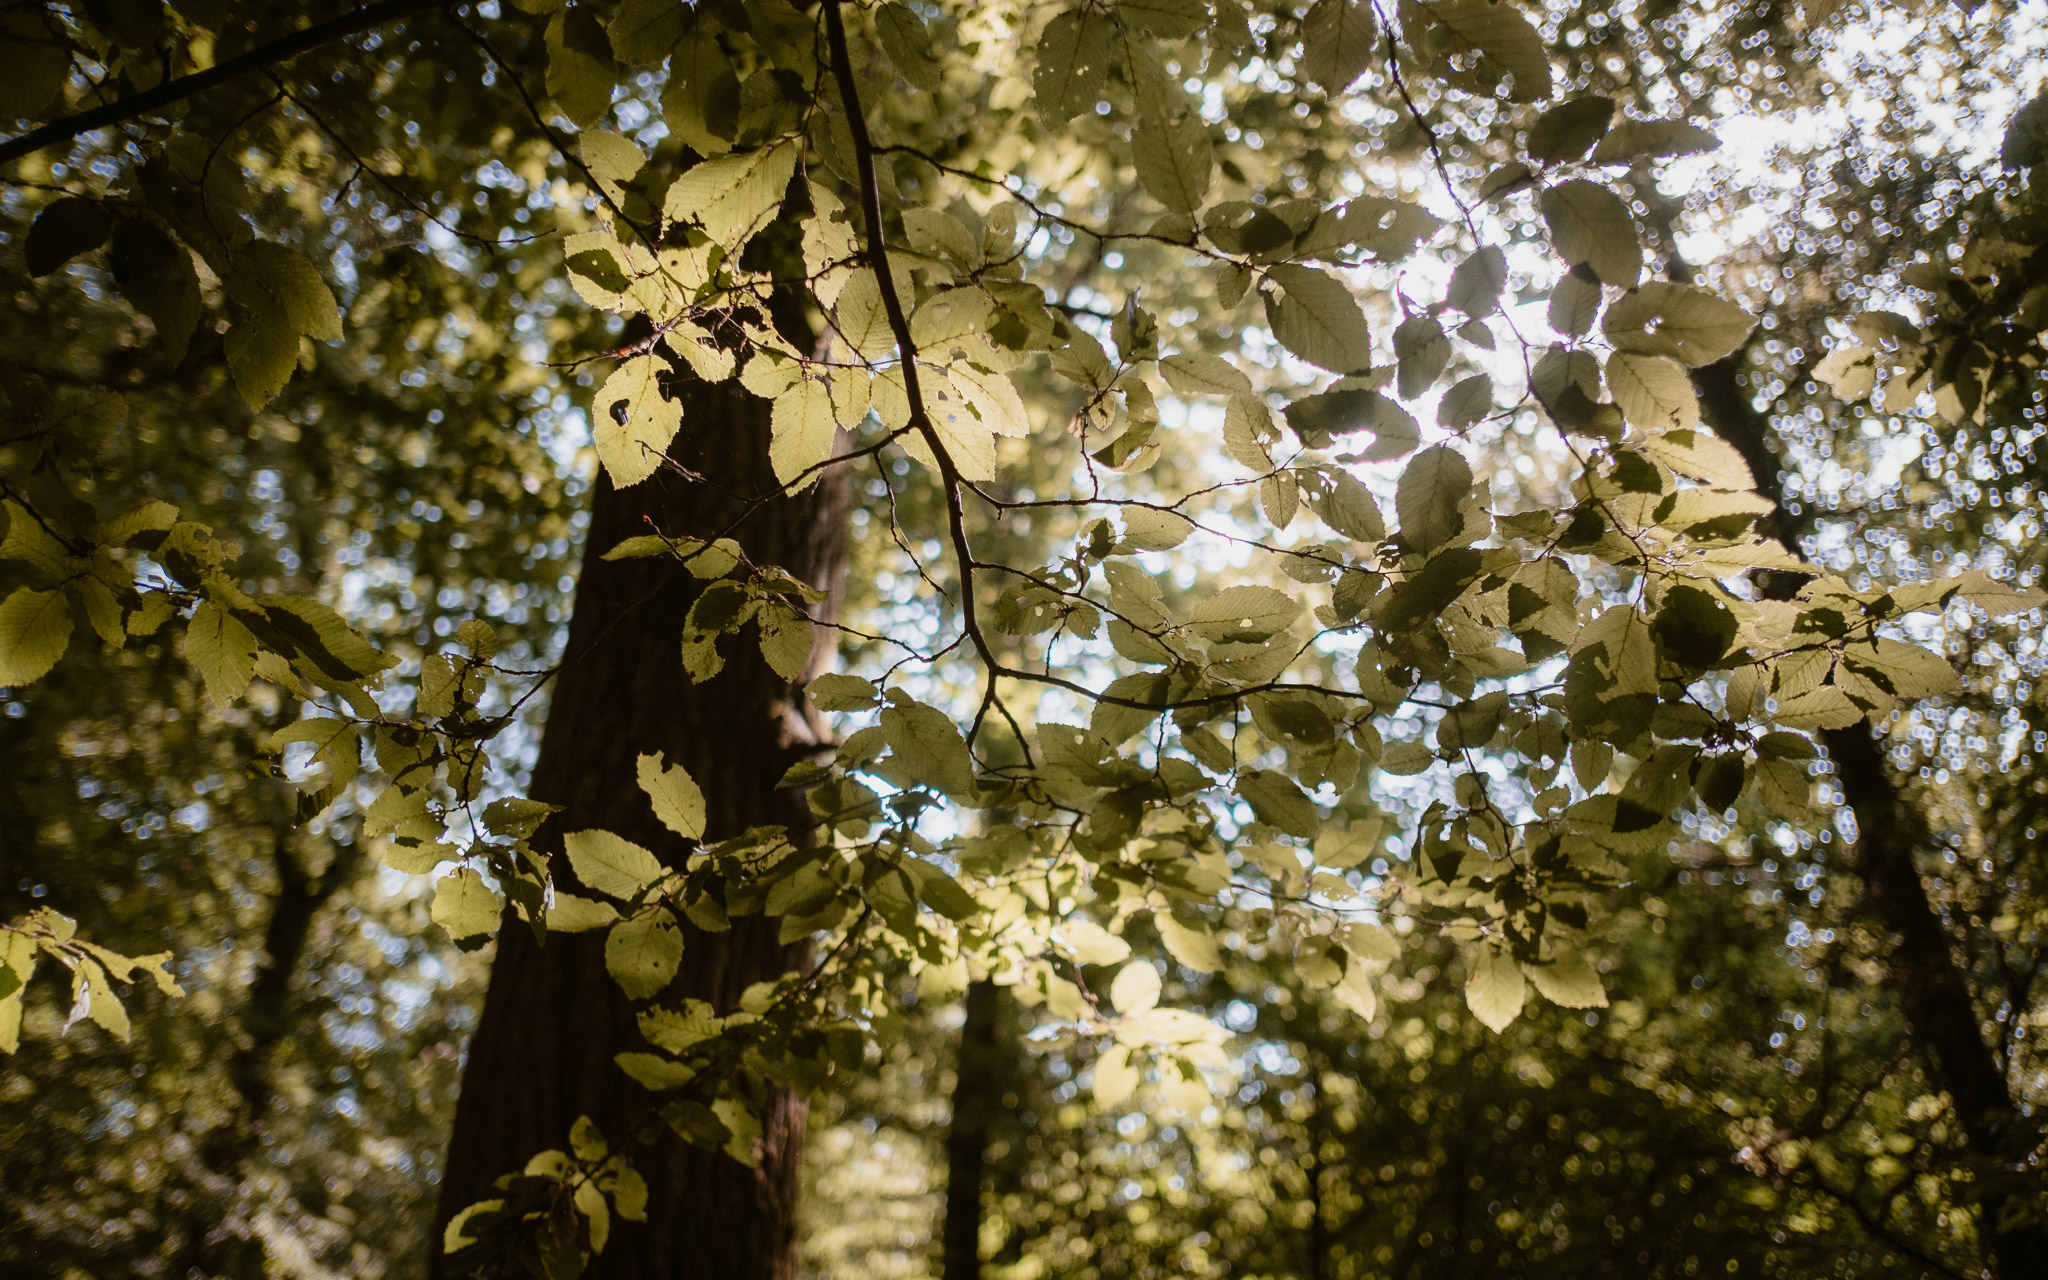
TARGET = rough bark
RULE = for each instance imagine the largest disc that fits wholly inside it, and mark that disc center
(553, 1018)
(1933, 991)
(977, 1096)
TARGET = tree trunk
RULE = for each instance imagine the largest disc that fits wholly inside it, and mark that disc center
(224, 1243)
(553, 1018)
(977, 1096)
(1933, 991)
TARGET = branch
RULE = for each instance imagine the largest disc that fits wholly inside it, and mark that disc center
(122, 110)
(899, 324)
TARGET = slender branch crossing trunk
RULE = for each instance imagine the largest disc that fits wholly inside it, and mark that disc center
(553, 1018)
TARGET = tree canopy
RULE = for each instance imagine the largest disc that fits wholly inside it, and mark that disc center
(1433, 599)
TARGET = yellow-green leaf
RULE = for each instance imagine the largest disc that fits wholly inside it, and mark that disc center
(1590, 224)
(35, 629)
(464, 905)
(643, 953)
(222, 650)
(611, 864)
(1494, 989)
(631, 423)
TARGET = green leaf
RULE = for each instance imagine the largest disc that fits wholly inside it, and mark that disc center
(1423, 351)
(1498, 30)
(1427, 592)
(280, 287)
(601, 269)
(1677, 320)
(1568, 981)
(1719, 782)
(1167, 19)
(580, 68)
(155, 273)
(1575, 302)
(939, 234)
(29, 542)
(1633, 140)
(1468, 400)
(732, 197)
(861, 317)
(643, 31)
(66, 228)
(464, 905)
(1174, 157)
(1090, 943)
(1244, 613)
(941, 892)
(1339, 41)
(35, 629)
(222, 650)
(1433, 488)
(1196, 373)
(802, 427)
(1191, 945)
(678, 801)
(1694, 627)
(836, 692)
(1148, 530)
(572, 914)
(1135, 989)
(1477, 283)
(1469, 726)
(1348, 508)
(1277, 802)
(654, 1072)
(1568, 130)
(92, 994)
(1590, 224)
(1700, 456)
(1318, 319)
(632, 423)
(1115, 1079)
(315, 637)
(909, 45)
(1905, 671)
(609, 864)
(33, 64)
(262, 355)
(928, 746)
(1075, 53)
(643, 953)
(785, 640)
(612, 159)
(701, 101)
(1494, 989)
(1652, 392)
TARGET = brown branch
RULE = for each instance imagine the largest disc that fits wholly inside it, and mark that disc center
(261, 58)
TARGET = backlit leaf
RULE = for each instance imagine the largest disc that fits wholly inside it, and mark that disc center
(35, 629)
(1590, 224)
(609, 864)
(677, 800)
(1494, 989)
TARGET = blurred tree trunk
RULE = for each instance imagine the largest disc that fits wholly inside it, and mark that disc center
(553, 1018)
(227, 1246)
(1934, 992)
(978, 1077)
